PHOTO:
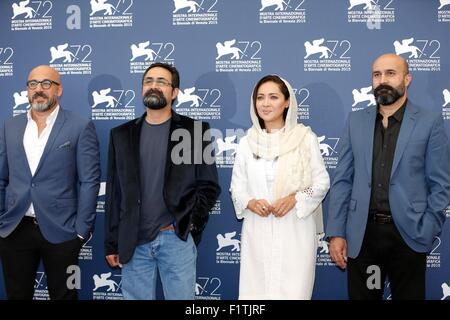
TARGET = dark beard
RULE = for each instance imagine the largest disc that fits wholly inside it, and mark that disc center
(387, 95)
(154, 99)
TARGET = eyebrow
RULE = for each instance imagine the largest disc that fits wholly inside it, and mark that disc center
(259, 94)
(379, 71)
(156, 78)
(34, 79)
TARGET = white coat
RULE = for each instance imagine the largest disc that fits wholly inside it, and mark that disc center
(278, 255)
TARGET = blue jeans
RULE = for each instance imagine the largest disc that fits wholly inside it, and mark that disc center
(175, 260)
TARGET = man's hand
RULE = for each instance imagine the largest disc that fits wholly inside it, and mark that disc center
(260, 207)
(338, 251)
(113, 260)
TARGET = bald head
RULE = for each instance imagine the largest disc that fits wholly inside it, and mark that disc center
(391, 59)
(44, 72)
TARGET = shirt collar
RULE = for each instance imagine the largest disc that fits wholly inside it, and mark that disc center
(51, 117)
(398, 115)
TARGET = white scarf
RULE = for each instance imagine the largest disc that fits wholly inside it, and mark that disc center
(292, 149)
(290, 146)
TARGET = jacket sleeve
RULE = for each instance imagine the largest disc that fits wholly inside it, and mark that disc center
(207, 188)
(239, 184)
(308, 200)
(113, 200)
(88, 167)
(4, 172)
(437, 171)
(341, 187)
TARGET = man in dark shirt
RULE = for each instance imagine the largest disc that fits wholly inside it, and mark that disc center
(159, 192)
(384, 143)
(390, 189)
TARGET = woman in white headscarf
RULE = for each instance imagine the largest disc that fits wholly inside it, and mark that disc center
(279, 181)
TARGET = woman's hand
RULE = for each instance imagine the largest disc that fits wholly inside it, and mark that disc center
(260, 207)
(283, 205)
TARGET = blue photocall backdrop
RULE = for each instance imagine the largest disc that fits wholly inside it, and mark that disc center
(221, 48)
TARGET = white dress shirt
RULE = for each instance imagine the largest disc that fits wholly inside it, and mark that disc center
(34, 144)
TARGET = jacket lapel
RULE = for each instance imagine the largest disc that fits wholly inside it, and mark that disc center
(59, 122)
(369, 128)
(135, 140)
(175, 123)
(19, 136)
(408, 123)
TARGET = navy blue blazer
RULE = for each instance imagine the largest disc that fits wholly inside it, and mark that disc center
(65, 185)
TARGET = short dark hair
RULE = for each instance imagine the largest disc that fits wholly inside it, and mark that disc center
(283, 88)
(168, 67)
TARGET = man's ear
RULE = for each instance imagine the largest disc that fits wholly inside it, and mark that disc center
(408, 79)
(175, 93)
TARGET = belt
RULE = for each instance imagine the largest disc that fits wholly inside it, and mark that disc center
(169, 227)
(380, 217)
(30, 219)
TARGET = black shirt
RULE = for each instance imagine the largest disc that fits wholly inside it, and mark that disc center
(384, 142)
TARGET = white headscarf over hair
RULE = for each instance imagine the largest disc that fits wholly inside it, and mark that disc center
(290, 146)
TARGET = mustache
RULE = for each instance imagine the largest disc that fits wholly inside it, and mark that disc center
(39, 94)
(383, 87)
(153, 91)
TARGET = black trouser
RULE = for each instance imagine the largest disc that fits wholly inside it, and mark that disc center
(384, 247)
(21, 253)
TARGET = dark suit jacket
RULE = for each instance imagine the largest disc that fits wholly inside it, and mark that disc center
(190, 189)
